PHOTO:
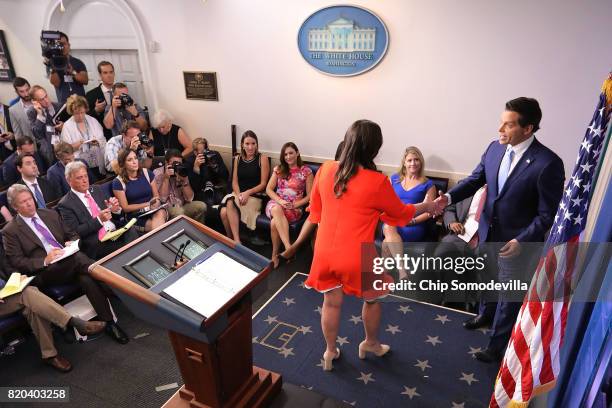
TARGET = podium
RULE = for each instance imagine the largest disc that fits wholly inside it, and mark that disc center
(214, 353)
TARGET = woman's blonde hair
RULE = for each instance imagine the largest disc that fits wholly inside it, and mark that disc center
(414, 150)
(74, 102)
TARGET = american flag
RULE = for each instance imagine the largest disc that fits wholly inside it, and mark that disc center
(531, 363)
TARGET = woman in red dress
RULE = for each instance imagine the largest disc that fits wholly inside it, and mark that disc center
(347, 200)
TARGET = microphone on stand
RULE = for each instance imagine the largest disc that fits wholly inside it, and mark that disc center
(184, 249)
(176, 257)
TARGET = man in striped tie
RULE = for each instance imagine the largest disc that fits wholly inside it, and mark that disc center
(34, 243)
(524, 182)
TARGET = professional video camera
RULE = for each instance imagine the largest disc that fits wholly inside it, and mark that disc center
(180, 169)
(145, 141)
(53, 49)
(126, 100)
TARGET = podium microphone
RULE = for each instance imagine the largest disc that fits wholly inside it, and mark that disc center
(176, 257)
(184, 249)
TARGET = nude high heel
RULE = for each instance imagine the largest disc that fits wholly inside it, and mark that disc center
(379, 350)
(328, 358)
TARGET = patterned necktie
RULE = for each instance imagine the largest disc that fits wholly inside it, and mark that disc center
(46, 234)
(483, 199)
(95, 211)
(40, 200)
(504, 169)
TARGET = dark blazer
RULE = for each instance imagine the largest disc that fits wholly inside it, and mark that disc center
(49, 192)
(77, 218)
(56, 176)
(457, 212)
(526, 206)
(96, 94)
(4, 152)
(24, 251)
(10, 175)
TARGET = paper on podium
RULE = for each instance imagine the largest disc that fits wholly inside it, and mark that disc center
(69, 250)
(113, 235)
(16, 284)
(471, 228)
(211, 284)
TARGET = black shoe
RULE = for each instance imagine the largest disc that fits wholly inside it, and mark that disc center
(113, 330)
(476, 322)
(488, 356)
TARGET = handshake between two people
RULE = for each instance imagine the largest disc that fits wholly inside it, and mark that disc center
(435, 208)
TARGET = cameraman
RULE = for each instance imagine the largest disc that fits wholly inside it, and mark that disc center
(122, 109)
(72, 78)
(209, 175)
(130, 138)
(174, 188)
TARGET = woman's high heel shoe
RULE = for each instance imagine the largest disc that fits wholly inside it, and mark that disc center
(328, 358)
(379, 350)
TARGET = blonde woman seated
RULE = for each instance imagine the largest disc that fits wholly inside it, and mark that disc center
(85, 135)
(249, 176)
(137, 192)
(293, 182)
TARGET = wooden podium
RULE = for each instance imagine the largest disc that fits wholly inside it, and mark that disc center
(214, 353)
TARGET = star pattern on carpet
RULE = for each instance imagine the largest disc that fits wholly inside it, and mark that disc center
(404, 309)
(303, 285)
(321, 363)
(342, 341)
(468, 378)
(484, 330)
(355, 319)
(354, 403)
(423, 365)
(271, 319)
(318, 310)
(458, 405)
(443, 319)
(254, 340)
(307, 388)
(289, 301)
(434, 340)
(474, 350)
(410, 392)
(393, 329)
(304, 329)
(366, 377)
(286, 352)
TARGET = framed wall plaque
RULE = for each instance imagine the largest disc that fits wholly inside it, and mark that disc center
(201, 85)
(7, 72)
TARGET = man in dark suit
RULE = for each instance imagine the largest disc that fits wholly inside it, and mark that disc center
(102, 95)
(525, 184)
(90, 223)
(36, 238)
(44, 127)
(25, 145)
(43, 191)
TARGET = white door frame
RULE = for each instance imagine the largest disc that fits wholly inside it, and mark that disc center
(53, 8)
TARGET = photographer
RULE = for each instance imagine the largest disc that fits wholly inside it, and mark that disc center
(174, 188)
(209, 175)
(69, 79)
(122, 109)
(130, 138)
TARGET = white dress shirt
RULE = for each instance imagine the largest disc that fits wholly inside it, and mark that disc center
(29, 184)
(519, 151)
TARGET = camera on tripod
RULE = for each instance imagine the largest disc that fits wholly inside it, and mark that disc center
(53, 49)
(179, 169)
(126, 100)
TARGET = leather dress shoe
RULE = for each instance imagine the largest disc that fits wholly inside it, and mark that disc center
(113, 330)
(92, 327)
(59, 363)
(476, 322)
(488, 356)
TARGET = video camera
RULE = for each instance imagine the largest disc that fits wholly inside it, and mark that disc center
(126, 100)
(53, 49)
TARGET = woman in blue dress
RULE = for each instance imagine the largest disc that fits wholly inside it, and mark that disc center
(412, 187)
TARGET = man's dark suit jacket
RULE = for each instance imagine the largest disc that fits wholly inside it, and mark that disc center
(76, 217)
(525, 208)
(49, 192)
(96, 94)
(24, 251)
(4, 152)
(10, 175)
(56, 176)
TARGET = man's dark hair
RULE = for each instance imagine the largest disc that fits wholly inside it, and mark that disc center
(529, 111)
(24, 140)
(118, 85)
(19, 82)
(172, 153)
(19, 160)
(130, 124)
(103, 63)
(65, 36)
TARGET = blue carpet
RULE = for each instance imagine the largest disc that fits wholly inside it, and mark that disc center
(431, 362)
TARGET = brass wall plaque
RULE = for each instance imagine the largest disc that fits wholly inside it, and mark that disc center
(201, 85)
